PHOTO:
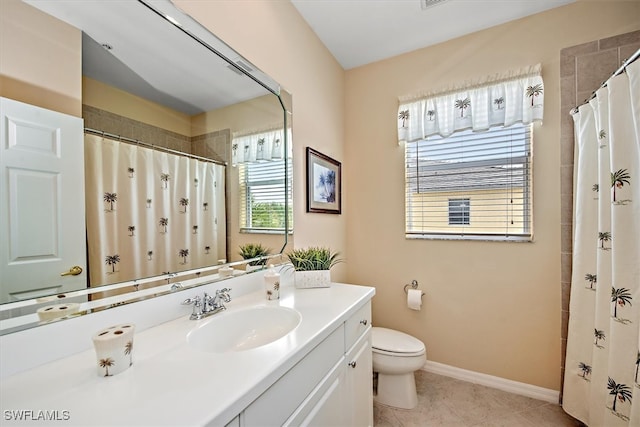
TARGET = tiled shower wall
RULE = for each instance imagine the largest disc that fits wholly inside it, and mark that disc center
(583, 69)
(213, 145)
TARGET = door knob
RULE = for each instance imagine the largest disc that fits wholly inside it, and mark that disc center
(352, 364)
(73, 271)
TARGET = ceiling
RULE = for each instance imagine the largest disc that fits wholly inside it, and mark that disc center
(129, 45)
(358, 32)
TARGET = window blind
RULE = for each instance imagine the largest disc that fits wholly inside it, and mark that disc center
(263, 196)
(470, 185)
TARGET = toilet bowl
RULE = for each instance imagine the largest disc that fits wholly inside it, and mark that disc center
(396, 356)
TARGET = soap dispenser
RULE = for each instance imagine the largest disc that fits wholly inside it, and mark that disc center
(272, 283)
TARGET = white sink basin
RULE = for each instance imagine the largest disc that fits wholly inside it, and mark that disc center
(243, 329)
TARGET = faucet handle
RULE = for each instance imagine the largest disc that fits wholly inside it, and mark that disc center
(224, 294)
(193, 300)
(197, 305)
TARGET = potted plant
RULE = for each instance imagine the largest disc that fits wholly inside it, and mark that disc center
(254, 250)
(312, 266)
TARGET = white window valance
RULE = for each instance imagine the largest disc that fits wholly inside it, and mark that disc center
(260, 146)
(496, 101)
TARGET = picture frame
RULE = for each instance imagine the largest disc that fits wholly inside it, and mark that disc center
(324, 183)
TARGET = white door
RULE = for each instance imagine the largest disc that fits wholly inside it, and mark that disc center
(42, 224)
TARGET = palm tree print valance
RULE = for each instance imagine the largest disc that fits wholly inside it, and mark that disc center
(517, 97)
(260, 147)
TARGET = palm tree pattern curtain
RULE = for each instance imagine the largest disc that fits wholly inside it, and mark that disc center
(150, 212)
(496, 101)
(601, 385)
(259, 147)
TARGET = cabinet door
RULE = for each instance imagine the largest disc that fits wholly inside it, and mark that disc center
(359, 383)
(330, 410)
(294, 392)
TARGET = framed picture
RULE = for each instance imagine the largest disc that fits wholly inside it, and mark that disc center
(324, 183)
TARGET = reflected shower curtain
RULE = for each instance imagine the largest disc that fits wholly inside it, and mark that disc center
(601, 385)
(150, 212)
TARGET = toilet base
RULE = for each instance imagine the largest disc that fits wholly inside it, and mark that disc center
(398, 391)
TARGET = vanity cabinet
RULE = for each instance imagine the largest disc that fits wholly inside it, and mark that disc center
(331, 385)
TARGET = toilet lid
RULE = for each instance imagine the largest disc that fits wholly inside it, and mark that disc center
(390, 340)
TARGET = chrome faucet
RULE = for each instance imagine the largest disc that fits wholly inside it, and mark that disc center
(208, 305)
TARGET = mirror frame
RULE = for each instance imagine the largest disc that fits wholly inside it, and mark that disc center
(25, 310)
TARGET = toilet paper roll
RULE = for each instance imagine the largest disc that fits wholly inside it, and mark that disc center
(414, 299)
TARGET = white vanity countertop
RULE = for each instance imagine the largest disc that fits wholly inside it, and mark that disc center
(170, 383)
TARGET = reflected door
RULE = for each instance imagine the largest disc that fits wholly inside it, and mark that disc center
(42, 221)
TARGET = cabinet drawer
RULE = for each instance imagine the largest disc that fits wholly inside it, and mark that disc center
(276, 404)
(357, 324)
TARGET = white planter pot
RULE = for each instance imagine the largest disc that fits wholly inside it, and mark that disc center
(312, 279)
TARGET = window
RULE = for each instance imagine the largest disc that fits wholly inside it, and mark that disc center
(458, 211)
(263, 196)
(470, 185)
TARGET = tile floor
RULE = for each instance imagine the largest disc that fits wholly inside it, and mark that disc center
(447, 402)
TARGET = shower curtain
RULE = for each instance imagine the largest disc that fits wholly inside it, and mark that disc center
(601, 385)
(150, 212)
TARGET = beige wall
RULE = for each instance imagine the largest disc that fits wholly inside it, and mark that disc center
(273, 36)
(109, 98)
(489, 307)
(246, 117)
(50, 78)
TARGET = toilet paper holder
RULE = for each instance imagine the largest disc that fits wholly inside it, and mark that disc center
(414, 285)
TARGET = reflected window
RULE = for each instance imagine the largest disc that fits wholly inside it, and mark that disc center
(263, 196)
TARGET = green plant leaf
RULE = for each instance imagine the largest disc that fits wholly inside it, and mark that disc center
(313, 258)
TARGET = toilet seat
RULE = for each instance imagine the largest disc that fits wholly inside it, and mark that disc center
(395, 343)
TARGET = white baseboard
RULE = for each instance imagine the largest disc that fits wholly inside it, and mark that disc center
(523, 389)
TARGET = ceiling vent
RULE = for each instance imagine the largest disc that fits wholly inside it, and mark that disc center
(425, 4)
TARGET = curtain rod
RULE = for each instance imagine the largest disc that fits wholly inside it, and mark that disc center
(615, 73)
(529, 71)
(153, 147)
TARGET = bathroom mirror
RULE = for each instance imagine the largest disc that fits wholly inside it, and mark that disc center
(146, 56)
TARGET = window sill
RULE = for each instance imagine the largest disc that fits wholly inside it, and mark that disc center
(466, 238)
(262, 231)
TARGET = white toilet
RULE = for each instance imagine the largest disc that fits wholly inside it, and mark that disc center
(396, 356)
